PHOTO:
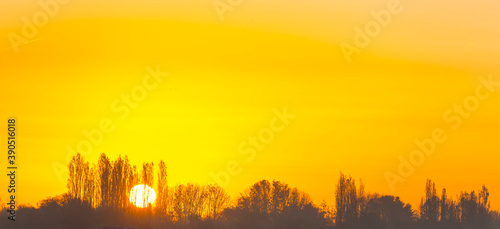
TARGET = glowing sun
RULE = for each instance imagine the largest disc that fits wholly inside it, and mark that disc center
(142, 196)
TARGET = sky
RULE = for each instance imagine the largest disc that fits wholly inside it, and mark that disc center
(189, 83)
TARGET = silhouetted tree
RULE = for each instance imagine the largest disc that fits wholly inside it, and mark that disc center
(429, 208)
(450, 213)
(279, 197)
(346, 201)
(475, 209)
(105, 169)
(189, 202)
(387, 212)
(133, 180)
(328, 213)
(469, 207)
(260, 198)
(162, 190)
(275, 206)
(445, 211)
(454, 212)
(217, 201)
(90, 186)
(362, 198)
(266, 201)
(147, 179)
(484, 203)
(118, 189)
(78, 171)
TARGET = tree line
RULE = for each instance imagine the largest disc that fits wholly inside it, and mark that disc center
(98, 195)
(356, 209)
(108, 185)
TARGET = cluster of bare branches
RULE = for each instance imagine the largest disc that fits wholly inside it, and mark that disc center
(108, 184)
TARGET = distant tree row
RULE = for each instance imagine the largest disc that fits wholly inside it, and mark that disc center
(354, 208)
(98, 195)
(108, 184)
(470, 208)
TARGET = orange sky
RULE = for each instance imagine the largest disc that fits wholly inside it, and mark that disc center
(226, 77)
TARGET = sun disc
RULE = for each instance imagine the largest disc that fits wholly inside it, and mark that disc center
(142, 196)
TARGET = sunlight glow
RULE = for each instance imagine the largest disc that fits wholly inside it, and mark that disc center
(142, 196)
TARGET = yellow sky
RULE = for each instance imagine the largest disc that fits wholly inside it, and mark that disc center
(226, 77)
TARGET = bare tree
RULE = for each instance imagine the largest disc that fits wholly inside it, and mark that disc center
(189, 202)
(105, 169)
(132, 180)
(148, 180)
(346, 200)
(445, 207)
(217, 200)
(279, 199)
(78, 178)
(260, 201)
(429, 208)
(90, 185)
(362, 198)
(162, 190)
